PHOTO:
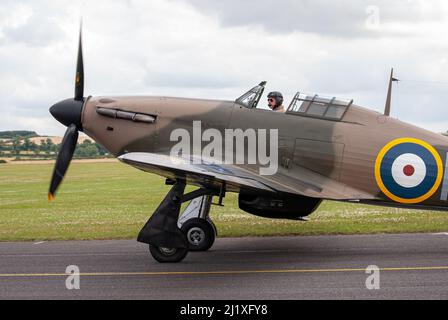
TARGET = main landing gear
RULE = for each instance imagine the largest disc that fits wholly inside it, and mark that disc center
(196, 224)
(171, 237)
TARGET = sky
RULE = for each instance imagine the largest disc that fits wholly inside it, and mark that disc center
(220, 49)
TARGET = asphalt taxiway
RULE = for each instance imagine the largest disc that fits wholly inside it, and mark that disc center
(412, 266)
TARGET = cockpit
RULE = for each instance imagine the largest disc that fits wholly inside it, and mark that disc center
(306, 105)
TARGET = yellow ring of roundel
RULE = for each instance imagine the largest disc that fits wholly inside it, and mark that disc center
(425, 145)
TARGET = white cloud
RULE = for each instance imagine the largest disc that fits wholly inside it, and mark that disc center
(180, 48)
(341, 19)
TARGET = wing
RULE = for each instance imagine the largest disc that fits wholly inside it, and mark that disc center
(236, 178)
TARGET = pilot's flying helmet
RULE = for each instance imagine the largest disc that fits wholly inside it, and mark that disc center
(277, 96)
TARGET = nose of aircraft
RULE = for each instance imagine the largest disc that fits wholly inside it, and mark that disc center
(68, 112)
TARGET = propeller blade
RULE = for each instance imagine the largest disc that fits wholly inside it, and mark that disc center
(79, 80)
(65, 155)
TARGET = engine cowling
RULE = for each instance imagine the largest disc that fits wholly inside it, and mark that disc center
(287, 206)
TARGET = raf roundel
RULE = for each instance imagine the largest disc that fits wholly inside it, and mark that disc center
(408, 170)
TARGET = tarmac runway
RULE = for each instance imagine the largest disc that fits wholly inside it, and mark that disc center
(412, 266)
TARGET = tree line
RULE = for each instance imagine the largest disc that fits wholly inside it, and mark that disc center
(19, 147)
(14, 134)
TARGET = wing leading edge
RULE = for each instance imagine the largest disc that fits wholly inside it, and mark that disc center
(209, 175)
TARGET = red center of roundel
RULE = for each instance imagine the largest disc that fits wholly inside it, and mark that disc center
(408, 170)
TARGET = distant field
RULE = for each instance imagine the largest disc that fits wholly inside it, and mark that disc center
(113, 201)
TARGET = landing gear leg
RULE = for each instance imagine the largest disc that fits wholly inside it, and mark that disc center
(195, 222)
(167, 243)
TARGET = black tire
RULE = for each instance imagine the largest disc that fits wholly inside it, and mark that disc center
(200, 234)
(164, 255)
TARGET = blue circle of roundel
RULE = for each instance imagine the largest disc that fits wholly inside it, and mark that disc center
(398, 190)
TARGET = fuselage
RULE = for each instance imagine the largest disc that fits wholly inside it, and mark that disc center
(361, 151)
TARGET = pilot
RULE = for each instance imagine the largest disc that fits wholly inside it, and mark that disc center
(275, 102)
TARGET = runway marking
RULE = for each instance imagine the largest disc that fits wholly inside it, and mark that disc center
(37, 243)
(210, 273)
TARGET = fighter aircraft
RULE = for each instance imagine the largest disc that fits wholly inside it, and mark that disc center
(321, 148)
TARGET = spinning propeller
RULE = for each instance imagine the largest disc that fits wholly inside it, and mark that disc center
(68, 112)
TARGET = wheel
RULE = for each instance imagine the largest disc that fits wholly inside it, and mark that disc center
(166, 255)
(200, 234)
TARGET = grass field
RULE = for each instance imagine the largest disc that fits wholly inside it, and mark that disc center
(113, 201)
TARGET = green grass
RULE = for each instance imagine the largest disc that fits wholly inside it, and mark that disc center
(113, 201)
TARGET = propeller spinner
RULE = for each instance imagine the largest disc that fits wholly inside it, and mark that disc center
(68, 112)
